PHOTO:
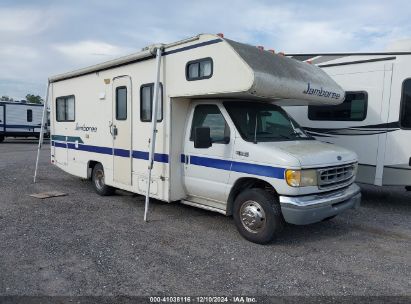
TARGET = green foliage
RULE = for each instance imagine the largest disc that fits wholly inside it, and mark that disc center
(34, 99)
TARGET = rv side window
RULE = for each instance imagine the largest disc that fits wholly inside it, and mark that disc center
(146, 100)
(405, 120)
(210, 116)
(121, 103)
(29, 115)
(354, 108)
(65, 107)
(199, 69)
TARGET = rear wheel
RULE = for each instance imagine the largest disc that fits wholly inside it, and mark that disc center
(98, 179)
(257, 215)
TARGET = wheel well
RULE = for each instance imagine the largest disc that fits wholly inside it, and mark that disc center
(246, 183)
(90, 167)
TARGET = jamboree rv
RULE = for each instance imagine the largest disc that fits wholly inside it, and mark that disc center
(19, 119)
(199, 121)
(375, 118)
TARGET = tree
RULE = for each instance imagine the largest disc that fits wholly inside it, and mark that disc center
(34, 99)
(6, 98)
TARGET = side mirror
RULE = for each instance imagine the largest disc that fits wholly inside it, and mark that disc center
(202, 138)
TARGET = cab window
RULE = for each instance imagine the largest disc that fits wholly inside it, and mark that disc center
(210, 116)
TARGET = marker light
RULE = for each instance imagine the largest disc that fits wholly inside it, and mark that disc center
(271, 51)
(281, 54)
(260, 47)
(221, 35)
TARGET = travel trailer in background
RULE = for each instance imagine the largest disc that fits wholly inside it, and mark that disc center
(198, 121)
(19, 119)
(375, 118)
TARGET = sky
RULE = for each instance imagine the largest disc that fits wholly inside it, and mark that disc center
(43, 38)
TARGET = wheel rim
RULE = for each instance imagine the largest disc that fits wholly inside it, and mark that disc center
(252, 216)
(99, 179)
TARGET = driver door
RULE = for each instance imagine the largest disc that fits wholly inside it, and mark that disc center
(207, 170)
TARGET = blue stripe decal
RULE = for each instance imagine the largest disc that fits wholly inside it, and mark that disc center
(260, 170)
(158, 157)
(227, 165)
(21, 104)
(122, 152)
(96, 149)
(190, 47)
(211, 162)
(59, 145)
(248, 168)
(140, 155)
(21, 126)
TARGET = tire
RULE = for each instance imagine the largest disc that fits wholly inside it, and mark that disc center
(1, 139)
(258, 205)
(97, 177)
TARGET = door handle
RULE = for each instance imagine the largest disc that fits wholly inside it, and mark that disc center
(110, 127)
(186, 159)
(113, 130)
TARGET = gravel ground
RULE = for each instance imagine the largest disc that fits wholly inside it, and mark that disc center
(84, 244)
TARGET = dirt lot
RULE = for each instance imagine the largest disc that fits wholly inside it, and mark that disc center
(84, 244)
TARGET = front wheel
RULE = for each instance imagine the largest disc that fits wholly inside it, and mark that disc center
(257, 215)
(98, 179)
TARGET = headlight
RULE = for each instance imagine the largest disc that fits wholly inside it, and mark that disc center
(301, 178)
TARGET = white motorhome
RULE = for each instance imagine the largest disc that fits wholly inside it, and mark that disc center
(375, 118)
(214, 138)
(19, 119)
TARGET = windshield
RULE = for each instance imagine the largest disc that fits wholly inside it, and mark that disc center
(257, 121)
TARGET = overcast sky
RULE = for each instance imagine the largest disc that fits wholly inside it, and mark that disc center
(43, 38)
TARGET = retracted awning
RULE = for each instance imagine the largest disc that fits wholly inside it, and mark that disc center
(280, 77)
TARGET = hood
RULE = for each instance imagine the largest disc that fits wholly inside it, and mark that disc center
(313, 153)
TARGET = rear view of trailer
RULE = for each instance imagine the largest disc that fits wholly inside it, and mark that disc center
(20, 120)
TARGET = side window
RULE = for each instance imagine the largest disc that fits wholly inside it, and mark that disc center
(29, 115)
(121, 103)
(210, 116)
(199, 69)
(354, 108)
(65, 108)
(405, 116)
(146, 100)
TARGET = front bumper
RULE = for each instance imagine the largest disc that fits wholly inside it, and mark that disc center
(302, 210)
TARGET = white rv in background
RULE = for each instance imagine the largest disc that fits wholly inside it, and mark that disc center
(223, 143)
(19, 119)
(375, 118)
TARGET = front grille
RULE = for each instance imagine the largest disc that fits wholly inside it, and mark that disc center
(335, 176)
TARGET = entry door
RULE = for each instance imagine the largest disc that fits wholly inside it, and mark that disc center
(2, 119)
(207, 171)
(121, 130)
